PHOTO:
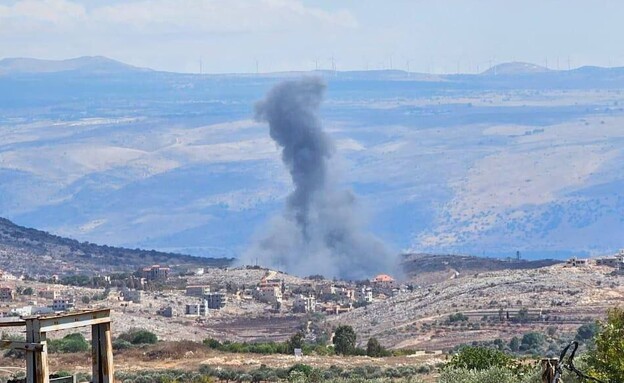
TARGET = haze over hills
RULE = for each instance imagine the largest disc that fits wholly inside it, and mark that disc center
(86, 64)
(515, 68)
(472, 164)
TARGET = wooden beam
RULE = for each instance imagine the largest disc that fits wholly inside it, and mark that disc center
(19, 345)
(12, 323)
(73, 320)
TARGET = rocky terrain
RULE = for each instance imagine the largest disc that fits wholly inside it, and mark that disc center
(425, 269)
(566, 298)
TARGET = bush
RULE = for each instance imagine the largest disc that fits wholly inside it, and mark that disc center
(532, 341)
(479, 358)
(458, 317)
(139, 336)
(70, 343)
(120, 344)
(489, 375)
(375, 349)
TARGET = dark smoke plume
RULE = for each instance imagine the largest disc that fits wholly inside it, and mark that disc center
(320, 230)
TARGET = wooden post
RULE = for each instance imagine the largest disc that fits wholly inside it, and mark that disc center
(102, 353)
(30, 356)
(95, 354)
(37, 360)
(548, 369)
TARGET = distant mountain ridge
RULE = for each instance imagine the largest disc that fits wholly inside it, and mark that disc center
(88, 64)
(515, 68)
(103, 65)
(38, 253)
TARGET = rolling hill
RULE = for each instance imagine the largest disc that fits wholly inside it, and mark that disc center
(84, 65)
(37, 253)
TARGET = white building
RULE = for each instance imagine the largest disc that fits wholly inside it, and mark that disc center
(63, 304)
(576, 262)
(197, 309)
(304, 304)
(31, 310)
(216, 300)
(364, 294)
(269, 294)
(132, 295)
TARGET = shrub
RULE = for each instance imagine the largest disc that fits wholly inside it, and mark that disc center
(121, 344)
(375, 349)
(458, 317)
(479, 358)
(70, 343)
(493, 374)
(139, 336)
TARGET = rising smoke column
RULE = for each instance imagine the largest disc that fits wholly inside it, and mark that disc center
(320, 230)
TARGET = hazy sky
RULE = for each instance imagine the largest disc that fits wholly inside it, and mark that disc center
(232, 35)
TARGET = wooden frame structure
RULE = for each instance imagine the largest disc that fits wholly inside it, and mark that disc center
(36, 347)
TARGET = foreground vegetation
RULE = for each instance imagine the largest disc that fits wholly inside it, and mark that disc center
(602, 358)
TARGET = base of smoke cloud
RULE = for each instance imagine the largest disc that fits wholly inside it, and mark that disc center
(336, 244)
(321, 231)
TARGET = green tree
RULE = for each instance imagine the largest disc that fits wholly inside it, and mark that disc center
(295, 341)
(532, 341)
(374, 348)
(28, 291)
(344, 340)
(586, 332)
(479, 358)
(514, 344)
(606, 358)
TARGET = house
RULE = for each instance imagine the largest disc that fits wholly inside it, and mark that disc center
(7, 294)
(49, 293)
(335, 309)
(6, 277)
(304, 304)
(63, 304)
(272, 282)
(199, 309)
(576, 262)
(384, 281)
(327, 289)
(31, 310)
(167, 312)
(155, 273)
(197, 290)
(610, 261)
(364, 294)
(132, 295)
(216, 300)
(269, 294)
(345, 294)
